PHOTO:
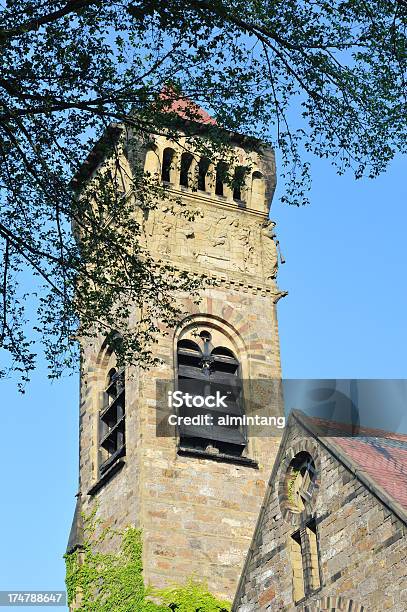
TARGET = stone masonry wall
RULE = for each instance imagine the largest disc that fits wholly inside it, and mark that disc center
(362, 545)
(197, 513)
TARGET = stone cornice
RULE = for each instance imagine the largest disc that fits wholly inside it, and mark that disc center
(219, 202)
(228, 281)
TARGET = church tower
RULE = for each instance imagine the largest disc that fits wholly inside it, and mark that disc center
(195, 495)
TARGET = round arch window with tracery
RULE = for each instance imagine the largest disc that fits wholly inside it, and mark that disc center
(299, 484)
(207, 365)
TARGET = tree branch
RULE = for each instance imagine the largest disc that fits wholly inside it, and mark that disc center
(72, 7)
(4, 290)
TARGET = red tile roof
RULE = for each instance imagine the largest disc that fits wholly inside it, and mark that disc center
(380, 455)
(186, 108)
(383, 459)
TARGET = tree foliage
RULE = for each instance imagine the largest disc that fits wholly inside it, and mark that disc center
(321, 76)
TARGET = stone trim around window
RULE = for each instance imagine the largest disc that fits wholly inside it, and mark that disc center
(291, 512)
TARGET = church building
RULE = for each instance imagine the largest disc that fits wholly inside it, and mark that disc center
(332, 530)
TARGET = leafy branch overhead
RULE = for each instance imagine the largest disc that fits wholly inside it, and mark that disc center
(317, 76)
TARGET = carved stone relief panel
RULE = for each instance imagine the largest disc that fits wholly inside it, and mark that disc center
(214, 240)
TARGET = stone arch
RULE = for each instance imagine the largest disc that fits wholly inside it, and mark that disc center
(203, 170)
(235, 341)
(295, 518)
(221, 188)
(258, 191)
(104, 356)
(168, 165)
(187, 165)
(152, 162)
(207, 356)
(239, 183)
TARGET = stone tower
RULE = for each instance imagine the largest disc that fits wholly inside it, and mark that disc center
(195, 496)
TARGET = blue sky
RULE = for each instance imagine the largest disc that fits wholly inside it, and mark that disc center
(344, 317)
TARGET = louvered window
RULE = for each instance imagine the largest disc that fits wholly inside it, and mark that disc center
(112, 421)
(205, 371)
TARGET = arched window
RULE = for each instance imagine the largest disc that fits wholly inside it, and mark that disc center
(211, 376)
(238, 183)
(221, 173)
(299, 488)
(300, 481)
(203, 168)
(112, 420)
(189, 356)
(167, 171)
(185, 174)
(152, 162)
(258, 190)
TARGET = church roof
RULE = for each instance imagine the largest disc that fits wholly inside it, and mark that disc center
(186, 109)
(377, 458)
(384, 460)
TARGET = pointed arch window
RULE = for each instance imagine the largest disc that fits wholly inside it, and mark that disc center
(112, 420)
(205, 370)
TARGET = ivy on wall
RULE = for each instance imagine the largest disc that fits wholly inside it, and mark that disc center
(192, 597)
(100, 581)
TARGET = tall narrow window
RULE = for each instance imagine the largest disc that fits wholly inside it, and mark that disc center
(185, 174)
(167, 171)
(152, 162)
(258, 190)
(297, 567)
(238, 183)
(204, 371)
(221, 173)
(203, 168)
(112, 420)
(305, 561)
(314, 581)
